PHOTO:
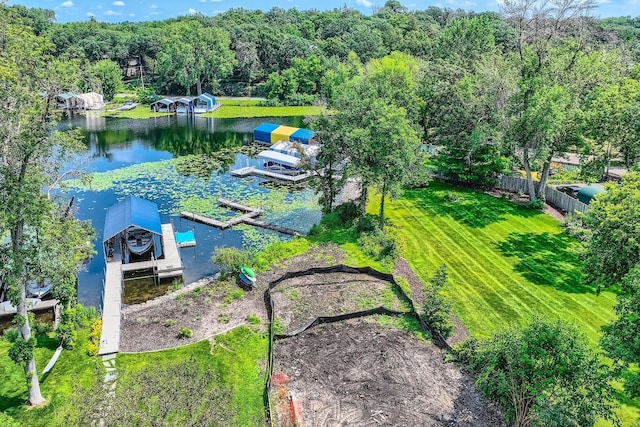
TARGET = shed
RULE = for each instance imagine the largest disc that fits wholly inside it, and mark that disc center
(164, 105)
(133, 212)
(262, 133)
(586, 194)
(204, 103)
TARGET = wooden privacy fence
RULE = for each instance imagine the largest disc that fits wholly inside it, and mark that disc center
(552, 196)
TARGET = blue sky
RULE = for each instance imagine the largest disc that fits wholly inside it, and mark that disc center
(139, 10)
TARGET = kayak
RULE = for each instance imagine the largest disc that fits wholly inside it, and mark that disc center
(247, 281)
(248, 272)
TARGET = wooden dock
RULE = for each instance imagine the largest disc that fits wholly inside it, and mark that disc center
(248, 218)
(252, 170)
(169, 266)
(41, 306)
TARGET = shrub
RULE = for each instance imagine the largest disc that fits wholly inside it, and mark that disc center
(93, 349)
(379, 246)
(229, 260)
(451, 197)
(347, 212)
(223, 318)
(41, 328)
(94, 337)
(436, 309)
(366, 224)
(575, 226)
(185, 333)
(417, 177)
(169, 322)
(233, 295)
(11, 335)
(536, 204)
(66, 334)
(253, 319)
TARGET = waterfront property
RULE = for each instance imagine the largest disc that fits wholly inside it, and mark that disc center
(164, 105)
(269, 133)
(82, 101)
(204, 103)
(134, 241)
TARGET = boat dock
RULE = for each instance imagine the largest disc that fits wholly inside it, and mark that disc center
(248, 218)
(169, 266)
(252, 170)
(41, 306)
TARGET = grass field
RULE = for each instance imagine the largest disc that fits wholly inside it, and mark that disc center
(238, 357)
(506, 263)
(73, 367)
(139, 112)
(249, 110)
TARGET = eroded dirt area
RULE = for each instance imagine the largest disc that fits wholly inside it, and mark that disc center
(360, 373)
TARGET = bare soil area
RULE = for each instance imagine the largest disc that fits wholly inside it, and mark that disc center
(300, 300)
(208, 307)
(359, 373)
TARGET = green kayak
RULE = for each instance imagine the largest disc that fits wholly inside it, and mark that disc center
(247, 272)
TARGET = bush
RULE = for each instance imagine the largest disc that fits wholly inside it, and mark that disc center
(417, 177)
(223, 318)
(253, 319)
(230, 260)
(169, 322)
(85, 315)
(66, 334)
(185, 333)
(93, 349)
(366, 224)
(233, 295)
(11, 335)
(146, 95)
(575, 226)
(347, 212)
(536, 204)
(451, 197)
(379, 246)
(41, 328)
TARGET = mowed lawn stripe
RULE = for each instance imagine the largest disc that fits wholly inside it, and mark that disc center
(536, 266)
(514, 251)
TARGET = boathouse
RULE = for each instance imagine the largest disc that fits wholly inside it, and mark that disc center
(204, 103)
(185, 106)
(132, 230)
(164, 105)
(269, 133)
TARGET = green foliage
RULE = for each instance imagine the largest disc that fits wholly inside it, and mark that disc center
(450, 197)
(185, 333)
(574, 225)
(7, 421)
(253, 319)
(21, 351)
(536, 204)
(614, 247)
(169, 322)
(229, 260)
(233, 295)
(223, 318)
(95, 331)
(66, 335)
(146, 95)
(436, 309)
(105, 77)
(379, 246)
(11, 334)
(542, 372)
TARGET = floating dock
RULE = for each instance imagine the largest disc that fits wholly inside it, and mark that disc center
(247, 218)
(169, 266)
(252, 170)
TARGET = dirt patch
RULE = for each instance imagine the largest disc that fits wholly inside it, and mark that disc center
(208, 307)
(300, 300)
(359, 373)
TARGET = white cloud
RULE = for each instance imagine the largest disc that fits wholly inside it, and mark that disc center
(154, 6)
(118, 3)
(192, 11)
(112, 13)
(90, 14)
(68, 3)
(365, 3)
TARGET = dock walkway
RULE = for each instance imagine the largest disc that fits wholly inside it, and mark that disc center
(169, 266)
(248, 218)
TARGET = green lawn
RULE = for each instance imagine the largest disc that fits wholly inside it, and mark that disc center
(139, 112)
(506, 263)
(72, 367)
(238, 357)
(249, 110)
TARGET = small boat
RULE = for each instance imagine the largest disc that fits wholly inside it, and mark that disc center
(247, 276)
(39, 290)
(139, 241)
(280, 168)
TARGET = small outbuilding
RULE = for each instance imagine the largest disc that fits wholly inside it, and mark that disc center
(204, 103)
(269, 133)
(588, 193)
(185, 106)
(164, 105)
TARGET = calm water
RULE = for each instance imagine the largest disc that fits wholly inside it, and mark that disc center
(134, 157)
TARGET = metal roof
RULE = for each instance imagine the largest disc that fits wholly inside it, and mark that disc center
(283, 159)
(586, 194)
(131, 212)
(164, 101)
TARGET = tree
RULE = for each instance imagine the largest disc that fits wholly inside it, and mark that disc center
(29, 154)
(544, 374)
(105, 76)
(614, 247)
(191, 55)
(540, 26)
(436, 309)
(621, 337)
(248, 61)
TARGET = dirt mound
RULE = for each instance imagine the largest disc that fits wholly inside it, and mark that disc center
(359, 373)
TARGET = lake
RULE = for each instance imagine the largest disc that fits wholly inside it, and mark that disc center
(180, 163)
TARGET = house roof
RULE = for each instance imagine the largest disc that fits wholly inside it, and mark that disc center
(131, 212)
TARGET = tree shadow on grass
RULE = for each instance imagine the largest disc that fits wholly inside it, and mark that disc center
(469, 207)
(546, 259)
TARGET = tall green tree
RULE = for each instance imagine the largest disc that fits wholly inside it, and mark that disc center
(192, 55)
(105, 77)
(544, 374)
(29, 82)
